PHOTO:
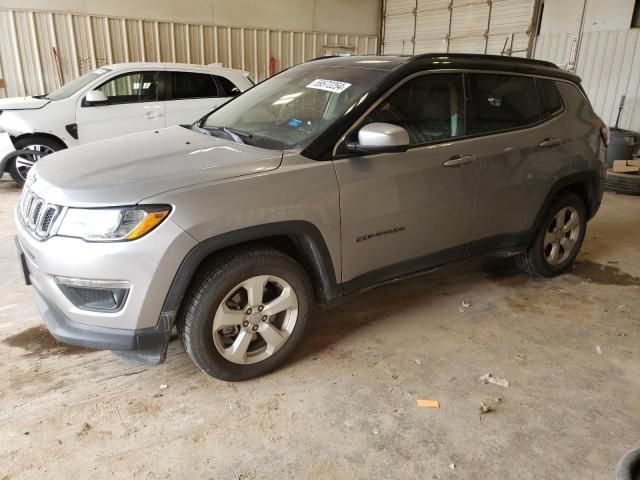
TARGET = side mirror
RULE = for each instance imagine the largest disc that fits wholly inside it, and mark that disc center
(380, 138)
(96, 97)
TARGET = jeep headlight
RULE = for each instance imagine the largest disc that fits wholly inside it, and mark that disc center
(112, 224)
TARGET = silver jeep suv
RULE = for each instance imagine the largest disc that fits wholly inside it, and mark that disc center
(330, 177)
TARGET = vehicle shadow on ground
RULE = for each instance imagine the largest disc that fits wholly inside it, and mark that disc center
(389, 302)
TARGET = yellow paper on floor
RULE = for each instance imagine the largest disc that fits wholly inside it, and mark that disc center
(428, 403)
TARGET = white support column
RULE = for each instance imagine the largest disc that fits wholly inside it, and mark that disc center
(125, 36)
(187, 42)
(92, 47)
(74, 49)
(143, 50)
(242, 49)
(36, 52)
(157, 34)
(16, 51)
(202, 61)
(173, 42)
(107, 29)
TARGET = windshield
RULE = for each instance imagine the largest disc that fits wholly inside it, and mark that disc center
(293, 108)
(73, 86)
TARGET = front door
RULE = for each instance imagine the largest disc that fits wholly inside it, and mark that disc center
(133, 107)
(404, 212)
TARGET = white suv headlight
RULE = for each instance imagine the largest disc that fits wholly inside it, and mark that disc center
(111, 224)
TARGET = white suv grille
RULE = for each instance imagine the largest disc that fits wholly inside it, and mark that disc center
(36, 214)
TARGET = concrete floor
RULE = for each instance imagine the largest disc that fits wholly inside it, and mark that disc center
(345, 406)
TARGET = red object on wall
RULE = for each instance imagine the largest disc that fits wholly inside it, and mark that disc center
(272, 65)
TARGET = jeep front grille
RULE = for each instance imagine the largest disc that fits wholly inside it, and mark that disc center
(36, 214)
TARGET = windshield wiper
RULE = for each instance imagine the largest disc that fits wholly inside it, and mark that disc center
(236, 135)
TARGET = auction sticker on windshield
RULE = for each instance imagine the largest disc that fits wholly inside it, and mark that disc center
(329, 85)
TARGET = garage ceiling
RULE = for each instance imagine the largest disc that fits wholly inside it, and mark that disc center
(478, 26)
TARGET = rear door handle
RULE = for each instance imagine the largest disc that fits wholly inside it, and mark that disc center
(153, 115)
(458, 161)
(550, 142)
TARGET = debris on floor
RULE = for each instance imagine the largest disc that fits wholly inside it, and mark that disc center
(427, 403)
(464, 306)
(488, 333)
(598, 349)
(452, 466)
(488, 378)
(484, 408)
(164, 386)
(376, 430)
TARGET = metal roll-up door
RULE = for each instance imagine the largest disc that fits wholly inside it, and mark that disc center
(468, 26)
(432, 25)
(399, 27)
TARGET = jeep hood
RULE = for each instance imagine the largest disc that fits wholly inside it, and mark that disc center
(23, 103)
(126, 170)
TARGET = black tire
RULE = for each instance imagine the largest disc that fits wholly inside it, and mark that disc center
(20, 175)
(533, 261)
(211, 287)
(625, 183)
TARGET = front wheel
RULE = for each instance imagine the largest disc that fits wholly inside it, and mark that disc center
(559, 239)
(246, 313)
(20, 166)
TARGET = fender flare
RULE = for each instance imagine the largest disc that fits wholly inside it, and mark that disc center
(589, 178)
(306, 234)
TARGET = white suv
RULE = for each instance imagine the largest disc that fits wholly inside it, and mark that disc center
(111, 101)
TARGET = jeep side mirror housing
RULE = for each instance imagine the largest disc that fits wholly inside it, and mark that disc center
(380, 138)
(95, 97)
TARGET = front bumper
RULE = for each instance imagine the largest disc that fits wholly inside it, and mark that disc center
(148, 264)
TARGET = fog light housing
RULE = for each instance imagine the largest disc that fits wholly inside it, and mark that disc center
(94, 295)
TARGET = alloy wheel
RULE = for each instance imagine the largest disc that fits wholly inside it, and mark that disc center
(255, 319)
(25, 162)
(562, 235)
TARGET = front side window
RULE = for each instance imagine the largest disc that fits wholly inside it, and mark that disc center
(291, 109)
(501, 102)
(430, 108)
(132, 87)
(193, 85)
(76, 85)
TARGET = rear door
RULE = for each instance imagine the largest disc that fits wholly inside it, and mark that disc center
(191, 95)
(134, 106)
(518, 120)
(403, 212)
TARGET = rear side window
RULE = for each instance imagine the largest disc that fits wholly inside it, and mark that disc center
(430, 107)
(501, 102)
(550, 99)
(193, 85)
(228, 87)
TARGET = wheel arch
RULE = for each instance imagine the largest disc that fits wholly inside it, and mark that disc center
(587, 185)
(39, 134)
(299, 239)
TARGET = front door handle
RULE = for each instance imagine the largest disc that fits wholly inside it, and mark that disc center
(550, 142)
(458, 161)
(153, 115)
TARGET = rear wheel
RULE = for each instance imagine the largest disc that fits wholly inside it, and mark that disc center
(20, 166)
(246, 314)
(559, 239)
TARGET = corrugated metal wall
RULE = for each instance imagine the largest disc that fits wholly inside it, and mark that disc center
(83, 42)
(609, 65)
(469, 26)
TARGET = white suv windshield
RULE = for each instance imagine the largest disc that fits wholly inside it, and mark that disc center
(291, 109)
(79, 83)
